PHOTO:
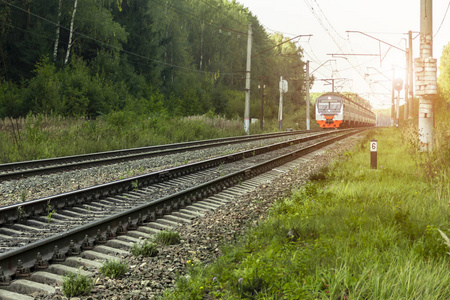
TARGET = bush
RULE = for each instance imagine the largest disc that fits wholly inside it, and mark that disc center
(76, 285)
(114, 269)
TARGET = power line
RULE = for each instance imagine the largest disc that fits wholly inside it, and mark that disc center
(443, 19)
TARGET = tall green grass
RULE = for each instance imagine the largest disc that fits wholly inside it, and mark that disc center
(354, 233)
(38, 137)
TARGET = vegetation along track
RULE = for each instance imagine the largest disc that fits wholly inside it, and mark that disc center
(44, 166)
(134, 211)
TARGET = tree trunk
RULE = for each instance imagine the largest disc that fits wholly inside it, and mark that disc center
(55, 49)
(71, 32)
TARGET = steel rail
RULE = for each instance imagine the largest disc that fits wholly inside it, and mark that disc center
(19, 212)
(30, 257)
(45, 166)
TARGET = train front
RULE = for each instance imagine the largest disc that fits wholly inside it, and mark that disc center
(329, 110)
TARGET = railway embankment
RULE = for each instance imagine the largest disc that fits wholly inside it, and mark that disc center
(350, 232)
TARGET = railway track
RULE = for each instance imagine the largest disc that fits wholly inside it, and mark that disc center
(45, 166)
(112, 217)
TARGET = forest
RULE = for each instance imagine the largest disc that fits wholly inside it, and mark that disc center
(150, 57)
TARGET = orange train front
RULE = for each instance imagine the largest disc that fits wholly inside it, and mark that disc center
(334, 110)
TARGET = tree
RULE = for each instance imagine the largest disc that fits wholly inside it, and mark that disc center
(444, 75)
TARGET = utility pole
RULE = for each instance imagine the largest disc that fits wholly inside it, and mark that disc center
(410, 77)
(405, 110)
(307, 97)
(426, 73)
(247, 81)
(261, 87)
(280, 105)
(283, 89)
(398, 85)
(409, 90)
(393, 98)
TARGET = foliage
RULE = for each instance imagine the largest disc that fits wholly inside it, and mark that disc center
(76, 285)
(444, 76)
(352, 233)
(44, 136)
(114, 268)
(179, 58)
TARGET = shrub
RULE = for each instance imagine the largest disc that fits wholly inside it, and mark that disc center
(76, 285)
(113, 268)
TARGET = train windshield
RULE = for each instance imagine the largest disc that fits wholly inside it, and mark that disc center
(329, 105)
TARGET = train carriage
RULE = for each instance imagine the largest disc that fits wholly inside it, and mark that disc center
(334, 110)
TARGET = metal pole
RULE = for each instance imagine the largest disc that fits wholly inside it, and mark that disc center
(247, 81)
(261, 123)
(307, 97)
(426, 84)
(410, 77)
(393, 98)
(397, 109)
(280, 107)
(405, 107)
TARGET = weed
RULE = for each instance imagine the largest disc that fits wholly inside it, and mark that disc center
(319, 175)
(23, 196)
(76, 285)
(168, 237)
(249, 288)
(113, 268)
(50, 212)
(147, 249)
(446, 239)
(135, 185)
(20, 213)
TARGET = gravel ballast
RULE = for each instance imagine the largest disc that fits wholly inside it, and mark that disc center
(20, 190)
(149, 277)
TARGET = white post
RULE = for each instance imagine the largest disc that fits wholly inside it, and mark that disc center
(307, 97)
(280, 106)
(247, 81)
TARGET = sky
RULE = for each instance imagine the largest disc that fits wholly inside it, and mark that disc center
(362, 70)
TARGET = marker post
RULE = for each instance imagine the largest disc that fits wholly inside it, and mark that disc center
(373, 153)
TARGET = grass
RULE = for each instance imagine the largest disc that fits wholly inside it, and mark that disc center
(46, 136)
(76, 285)
(39, 137)
(351, 233)
(114, 268)
(146, 248)
(167, 237)
(149, 247)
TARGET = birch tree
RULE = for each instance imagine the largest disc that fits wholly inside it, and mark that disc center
(58, 20)
(69, 46)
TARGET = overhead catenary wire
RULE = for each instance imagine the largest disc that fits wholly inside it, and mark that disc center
(443, 19)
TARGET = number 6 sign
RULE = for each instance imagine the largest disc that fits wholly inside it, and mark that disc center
(373, 153)
(373, 146)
